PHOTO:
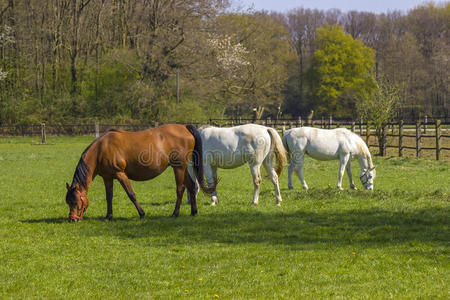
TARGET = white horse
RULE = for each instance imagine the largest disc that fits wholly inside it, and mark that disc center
(229, 148)
(323, 144)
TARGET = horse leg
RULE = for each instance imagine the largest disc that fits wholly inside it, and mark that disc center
(179, 179)
(343, 163)
(211, 174)
(274, 178)
(256, 174)
(191, 192)
(290, 170)
(214, 196)
(109, 195)
(299, 171)
(125, 182)
(350, 178)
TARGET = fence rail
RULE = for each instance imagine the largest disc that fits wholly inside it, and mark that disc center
(399, 137)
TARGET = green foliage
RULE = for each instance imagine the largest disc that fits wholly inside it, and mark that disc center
(117, 60)
(340, 70)
(324, 243)
(379, 106)
(262, 71)
(108, 88)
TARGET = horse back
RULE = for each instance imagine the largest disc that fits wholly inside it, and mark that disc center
(144, 154)
(233, 146)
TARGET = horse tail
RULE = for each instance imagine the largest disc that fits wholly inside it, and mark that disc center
(286, 146)
(277, 148)
(197, 160)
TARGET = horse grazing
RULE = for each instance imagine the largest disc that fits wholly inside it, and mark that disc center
(137, 156)
(323, 144)
(229, 148)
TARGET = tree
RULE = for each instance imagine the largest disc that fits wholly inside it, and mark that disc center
(302, 24)
(379, 106)
(252, 54)
(341, 70)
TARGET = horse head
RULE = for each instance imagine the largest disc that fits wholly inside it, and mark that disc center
(367, 177)
(77, 201)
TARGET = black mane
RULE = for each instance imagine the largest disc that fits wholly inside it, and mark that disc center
(82, 169)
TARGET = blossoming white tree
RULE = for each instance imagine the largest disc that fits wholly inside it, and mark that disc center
(230, 55)
(6, 37)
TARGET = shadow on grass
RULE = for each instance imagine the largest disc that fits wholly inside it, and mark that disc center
(295, 228)
(45, 220)
(244, 225)
(65, 220)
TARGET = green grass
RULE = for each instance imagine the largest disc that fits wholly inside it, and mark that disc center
(389, 243)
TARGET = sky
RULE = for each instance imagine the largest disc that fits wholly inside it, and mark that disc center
(377, 6)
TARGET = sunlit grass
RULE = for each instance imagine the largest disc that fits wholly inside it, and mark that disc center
(389, 243)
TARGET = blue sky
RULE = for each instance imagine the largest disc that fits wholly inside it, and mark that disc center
(377, 6)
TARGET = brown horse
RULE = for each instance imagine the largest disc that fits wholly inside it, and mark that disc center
(138, 156)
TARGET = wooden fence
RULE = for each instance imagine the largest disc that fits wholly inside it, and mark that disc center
(401, 136)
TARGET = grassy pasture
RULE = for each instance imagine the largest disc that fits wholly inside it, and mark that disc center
(389, 243)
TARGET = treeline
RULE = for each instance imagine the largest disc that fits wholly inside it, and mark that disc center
(119, 60)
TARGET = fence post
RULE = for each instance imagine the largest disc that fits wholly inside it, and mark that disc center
(322, 124)
(438, 139)
(299, 121)
(331, 122)
(360, 126)
(97, 130)
(43, 134)
(384, 141)
(156, 124)
(353, 126)
(290, 125)
(425, 121)
(400, 138)
(367, 134)
(418, 139)
(283, 130)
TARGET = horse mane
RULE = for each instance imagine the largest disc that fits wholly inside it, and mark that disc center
(364, 149)
(204, 127)
(82, 169)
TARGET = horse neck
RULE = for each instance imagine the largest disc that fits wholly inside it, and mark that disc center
(89, 158)
(364, 158)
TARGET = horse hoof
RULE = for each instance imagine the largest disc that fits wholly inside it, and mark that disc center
(142, 216)
(290, 187)
(255, 203)
(108, 217)
(213, 203)
(193, 213)
(174, 215)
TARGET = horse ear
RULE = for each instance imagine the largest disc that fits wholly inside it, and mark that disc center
(77, 187)
(67, 186)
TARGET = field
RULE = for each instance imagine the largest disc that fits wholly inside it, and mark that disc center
(389, 243)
